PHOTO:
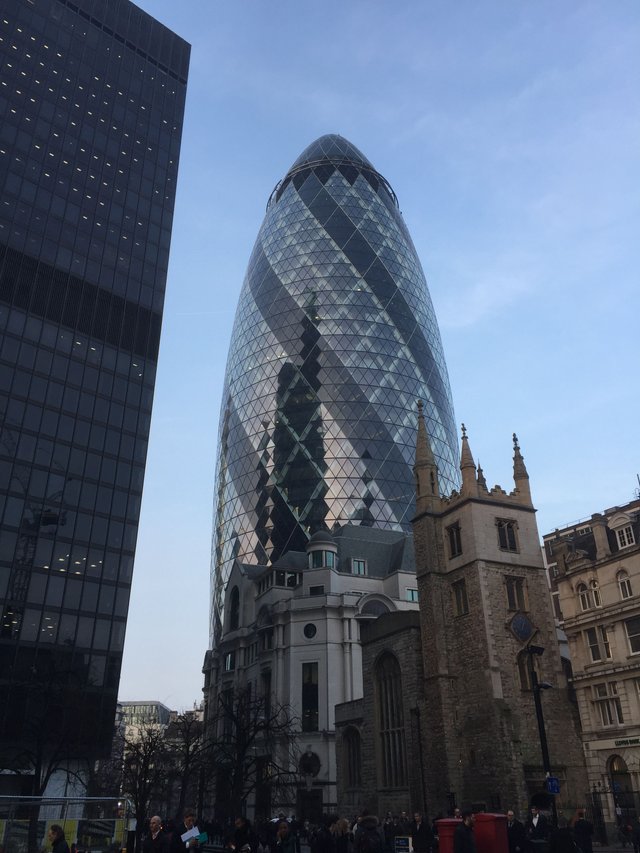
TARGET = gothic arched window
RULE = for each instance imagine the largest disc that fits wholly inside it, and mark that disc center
(234, 609)
(352, 760)
(392, 759)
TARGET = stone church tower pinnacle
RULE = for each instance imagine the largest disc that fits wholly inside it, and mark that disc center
(483, 599)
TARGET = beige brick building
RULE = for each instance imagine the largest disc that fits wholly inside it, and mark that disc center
(594, 567)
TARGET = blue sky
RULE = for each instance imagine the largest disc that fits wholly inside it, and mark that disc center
(510, 132)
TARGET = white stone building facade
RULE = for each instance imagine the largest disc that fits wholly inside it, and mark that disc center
(293, 629)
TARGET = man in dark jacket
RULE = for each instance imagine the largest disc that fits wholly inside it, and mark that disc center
(516, 835)
(421, 835)
(463, 839)
(537, 827)
(188, 823)
(244, 835)
(156, 841)
(583, 833)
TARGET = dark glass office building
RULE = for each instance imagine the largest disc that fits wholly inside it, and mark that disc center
(335, 339)
(91, 104)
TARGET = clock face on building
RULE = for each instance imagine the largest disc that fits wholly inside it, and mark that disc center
(522, 627)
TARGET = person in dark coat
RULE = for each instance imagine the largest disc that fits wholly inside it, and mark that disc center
(463, 838)
(537, 826)
(405, 824)
(244, 835)
(421, 834)
(390, 829)
(635, 835)
(156, 841)
(323, 839)
(285, 839)
(561, 838)
(188, 823)
(57, 840)
(583, 833)
(516, 835)
(368, 837)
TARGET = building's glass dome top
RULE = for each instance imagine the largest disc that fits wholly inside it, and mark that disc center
(331, 148)
(334, 341)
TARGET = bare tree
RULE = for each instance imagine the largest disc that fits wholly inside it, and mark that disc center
(252, 746)
(187, 747)
(144, 771)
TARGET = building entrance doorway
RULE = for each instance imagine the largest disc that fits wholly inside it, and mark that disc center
(622, 788)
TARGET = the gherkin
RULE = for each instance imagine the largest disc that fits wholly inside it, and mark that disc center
(335, 339)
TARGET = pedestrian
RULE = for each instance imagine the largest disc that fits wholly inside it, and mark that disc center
(368, 837)
(244, 835)
(342, 836)
(323, 839)
(156, 841)
(285, 839)
(537, 827)
(583, 832)
(178, 845)
(57, 840)
(561, 838)
(635, 835)
(463, 838)
(516, 835)
(421, 835)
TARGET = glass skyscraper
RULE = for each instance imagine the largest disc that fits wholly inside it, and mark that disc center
(91, 104)
(335, 339)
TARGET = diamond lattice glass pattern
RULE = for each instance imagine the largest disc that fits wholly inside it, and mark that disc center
(335, 339)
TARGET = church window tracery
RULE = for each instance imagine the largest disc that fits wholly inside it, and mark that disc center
(507, 539)
(392, 760)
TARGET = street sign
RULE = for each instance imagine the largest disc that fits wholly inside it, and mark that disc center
(553, 785)
(402, 843)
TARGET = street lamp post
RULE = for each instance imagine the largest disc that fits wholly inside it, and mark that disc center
(537, 686)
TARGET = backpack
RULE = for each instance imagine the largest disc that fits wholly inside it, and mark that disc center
(369, 840)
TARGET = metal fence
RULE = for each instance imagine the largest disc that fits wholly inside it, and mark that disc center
(612, 812)
(92, 824)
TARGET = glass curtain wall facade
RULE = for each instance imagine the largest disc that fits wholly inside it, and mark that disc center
(91, 104)
(335, 339)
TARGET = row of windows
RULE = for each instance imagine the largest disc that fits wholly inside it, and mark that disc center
(515, 592)
(65, 629)
(279, 578)
(589, 595)
(506, 532)
(597, 640)
(54, 590)
(607, 701)
(56, 31)
(48, 349)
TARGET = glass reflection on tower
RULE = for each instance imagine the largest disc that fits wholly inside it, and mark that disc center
(91, 108)
(335, 339)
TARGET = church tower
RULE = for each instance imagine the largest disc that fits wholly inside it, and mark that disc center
(485, 611)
